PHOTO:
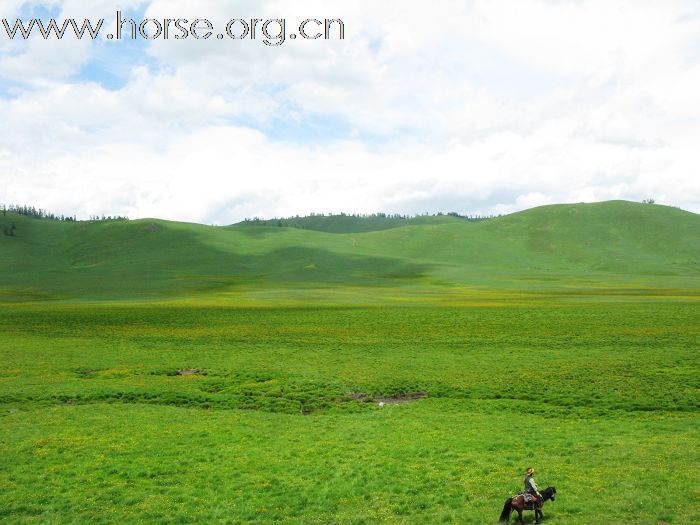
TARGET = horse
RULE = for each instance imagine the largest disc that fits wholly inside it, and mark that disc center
(518, 503)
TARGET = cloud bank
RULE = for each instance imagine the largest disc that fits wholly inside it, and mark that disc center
(475, 107)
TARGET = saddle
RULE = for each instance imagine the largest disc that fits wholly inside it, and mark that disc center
(529, 499)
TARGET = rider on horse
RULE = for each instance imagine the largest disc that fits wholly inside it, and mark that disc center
(530, 499)
(530, 486)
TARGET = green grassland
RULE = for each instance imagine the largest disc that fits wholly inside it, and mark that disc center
(614, 247)
(159, 372)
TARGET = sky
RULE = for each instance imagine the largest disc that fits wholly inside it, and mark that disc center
(477, 107)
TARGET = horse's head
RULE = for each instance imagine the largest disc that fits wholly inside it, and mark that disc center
(549, 493)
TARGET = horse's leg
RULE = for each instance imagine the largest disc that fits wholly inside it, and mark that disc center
(520, 516)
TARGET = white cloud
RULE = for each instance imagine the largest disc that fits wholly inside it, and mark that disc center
(38, 62)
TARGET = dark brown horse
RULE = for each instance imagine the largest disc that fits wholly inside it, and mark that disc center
(518, 503)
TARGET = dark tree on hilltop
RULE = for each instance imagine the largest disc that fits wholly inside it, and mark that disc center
(38, 213)
(297, 221)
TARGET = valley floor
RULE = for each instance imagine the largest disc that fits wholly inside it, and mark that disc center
(208, 413)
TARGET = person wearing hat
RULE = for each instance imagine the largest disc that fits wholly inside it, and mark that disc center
(530, 485)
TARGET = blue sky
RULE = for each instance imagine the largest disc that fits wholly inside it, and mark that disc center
(476, 107)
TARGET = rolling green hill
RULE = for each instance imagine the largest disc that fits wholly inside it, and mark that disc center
(574, 248)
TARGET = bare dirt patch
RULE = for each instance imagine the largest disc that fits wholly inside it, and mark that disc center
(359, 396)
(152, 228)
(191, 372)
(402, 398)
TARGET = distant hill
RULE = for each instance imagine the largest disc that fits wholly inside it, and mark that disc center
(566, 248)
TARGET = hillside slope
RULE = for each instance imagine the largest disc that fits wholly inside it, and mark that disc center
(613, 244)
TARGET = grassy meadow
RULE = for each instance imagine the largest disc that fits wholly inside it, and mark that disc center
(346, 372)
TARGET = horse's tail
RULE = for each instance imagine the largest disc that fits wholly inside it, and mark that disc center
(507, 509)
